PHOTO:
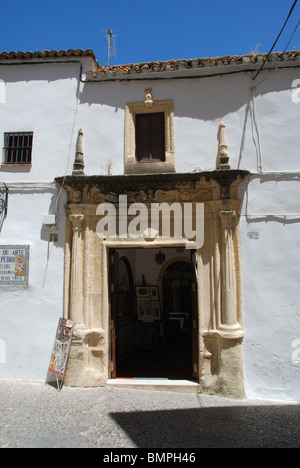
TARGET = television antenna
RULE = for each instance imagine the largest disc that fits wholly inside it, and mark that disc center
(111, 38)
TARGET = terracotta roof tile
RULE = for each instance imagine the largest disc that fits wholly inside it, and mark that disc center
(46, 54)
(165, 67)
(190, 64)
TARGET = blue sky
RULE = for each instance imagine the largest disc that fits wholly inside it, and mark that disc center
(149, 30)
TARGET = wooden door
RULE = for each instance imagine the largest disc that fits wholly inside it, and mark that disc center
(113, 283)
(195, 320)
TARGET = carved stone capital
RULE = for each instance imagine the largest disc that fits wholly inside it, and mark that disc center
(76, 220)
(227, 218)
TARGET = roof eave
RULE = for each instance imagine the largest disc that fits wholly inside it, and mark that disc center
(47, 54)
(196, 67)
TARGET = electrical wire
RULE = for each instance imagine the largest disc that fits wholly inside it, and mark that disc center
(267, 57)
(284, 50)
(253, 114)
(259, 164)
(69, 152)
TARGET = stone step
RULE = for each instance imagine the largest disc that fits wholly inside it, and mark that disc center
(184, 386)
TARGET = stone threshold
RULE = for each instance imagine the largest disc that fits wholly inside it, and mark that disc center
(184, 386)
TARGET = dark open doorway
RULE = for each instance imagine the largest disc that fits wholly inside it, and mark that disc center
(164, 346)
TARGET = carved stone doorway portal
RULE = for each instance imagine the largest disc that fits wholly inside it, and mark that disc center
(219, 331)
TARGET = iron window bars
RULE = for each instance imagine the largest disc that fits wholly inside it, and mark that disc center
(18, 147)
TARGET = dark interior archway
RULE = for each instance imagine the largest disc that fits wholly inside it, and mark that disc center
(171, 353)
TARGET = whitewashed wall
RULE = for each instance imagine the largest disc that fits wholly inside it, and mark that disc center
(199, 105)
(42, 99)
(271, 268)
(29, 315)
(45, 102)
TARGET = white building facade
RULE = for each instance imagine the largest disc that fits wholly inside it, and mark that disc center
(248, 169)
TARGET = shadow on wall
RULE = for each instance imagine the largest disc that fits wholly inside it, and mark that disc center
(58, 201)
(282, 200)
(41, 71)
(16, 169)
(223, 427)
(207, 99)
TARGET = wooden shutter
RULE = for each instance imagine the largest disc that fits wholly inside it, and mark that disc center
(150, 137)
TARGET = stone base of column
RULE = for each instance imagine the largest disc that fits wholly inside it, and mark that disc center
(87, 359)
(222, 369)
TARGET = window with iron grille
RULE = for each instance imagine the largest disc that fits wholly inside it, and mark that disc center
(18, 147)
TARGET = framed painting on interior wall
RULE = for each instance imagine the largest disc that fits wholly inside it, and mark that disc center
(145, 310)
(141, 309)
(148, 317)
(142, 292)
(154, 293)
(156, 310)
(148, 306)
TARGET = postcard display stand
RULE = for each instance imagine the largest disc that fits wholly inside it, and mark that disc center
(60, 353)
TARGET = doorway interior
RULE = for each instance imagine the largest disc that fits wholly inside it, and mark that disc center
(153, 304)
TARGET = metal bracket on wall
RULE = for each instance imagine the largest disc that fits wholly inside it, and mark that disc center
(3, 203)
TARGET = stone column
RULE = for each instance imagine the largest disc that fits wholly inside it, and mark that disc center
(78, 167)
(229, 298)
(76, 283)
(87, 358)
(223, 157)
